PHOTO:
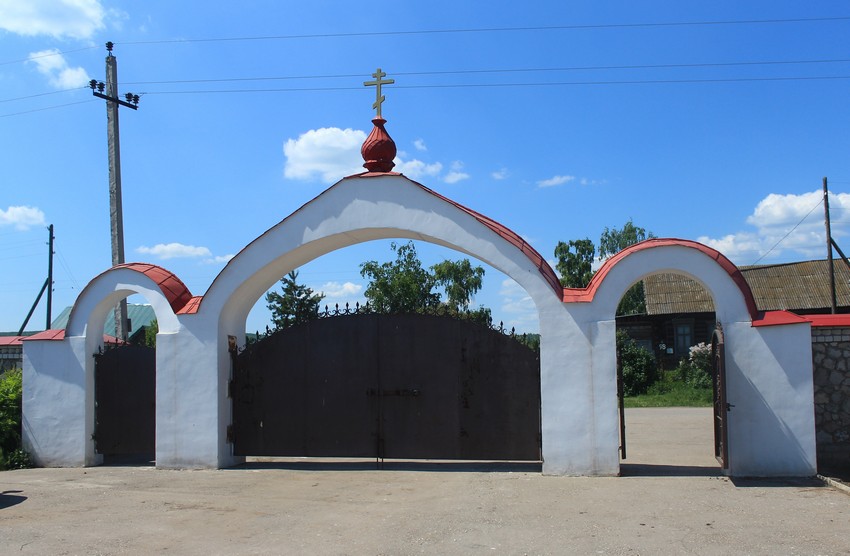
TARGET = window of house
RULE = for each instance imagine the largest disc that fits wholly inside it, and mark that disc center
(684, 333)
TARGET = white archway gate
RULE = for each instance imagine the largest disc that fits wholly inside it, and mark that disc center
(768, 357)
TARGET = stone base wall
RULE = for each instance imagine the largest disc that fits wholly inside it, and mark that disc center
(831, 358)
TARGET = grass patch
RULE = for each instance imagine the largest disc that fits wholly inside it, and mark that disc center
(672, 394)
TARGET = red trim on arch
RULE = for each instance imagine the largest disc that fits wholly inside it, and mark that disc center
(585, 295)
(508, 235)
(174, 290)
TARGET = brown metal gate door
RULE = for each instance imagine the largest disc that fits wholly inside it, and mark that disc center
(294, 392)
(125, 402)
(721, 406)
(388, 386)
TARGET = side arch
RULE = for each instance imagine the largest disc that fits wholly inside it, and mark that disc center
(161, 288)
(733, 299)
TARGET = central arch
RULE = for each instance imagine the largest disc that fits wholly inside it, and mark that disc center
(359, 209)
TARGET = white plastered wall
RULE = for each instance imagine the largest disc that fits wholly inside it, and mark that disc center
(58, 393)
(769, 368)
(353, 211)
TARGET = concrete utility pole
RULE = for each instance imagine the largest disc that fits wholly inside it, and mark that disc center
(48, 286)
(116, 212)
(49, 278)
(829, 248)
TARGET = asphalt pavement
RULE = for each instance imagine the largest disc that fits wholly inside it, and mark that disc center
(671, 499)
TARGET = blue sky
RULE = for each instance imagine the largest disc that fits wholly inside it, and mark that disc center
(707, 121)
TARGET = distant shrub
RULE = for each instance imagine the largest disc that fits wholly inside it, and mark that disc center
(12, 455)
(639, 367)
(696, 370)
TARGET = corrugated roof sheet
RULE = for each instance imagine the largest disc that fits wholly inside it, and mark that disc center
(800, 286)
(139, 315)
(674, 293)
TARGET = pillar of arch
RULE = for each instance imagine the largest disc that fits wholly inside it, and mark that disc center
(59, 365)
(768, 361)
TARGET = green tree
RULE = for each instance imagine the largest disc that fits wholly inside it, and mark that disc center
(460, 280)
(613, 241)
(296, 304)
(12, 455)
(400, 286)
(639, 367)
(151, 330)
(575, 261)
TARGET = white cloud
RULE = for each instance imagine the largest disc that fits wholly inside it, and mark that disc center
(589, 181)
(499, 174)
(174, 251)
(518, 307)
(555, 180)
(77, 19)
(775, 217)
(53, 65)
(456, 175)
(22, 217)
(328, 153)
(335, 290)
(420, 145)
(415, 169)
(219, 259)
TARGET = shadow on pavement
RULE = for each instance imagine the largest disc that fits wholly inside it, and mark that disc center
(781, 482)
(396, 465)
(8, 499)
(652, 470)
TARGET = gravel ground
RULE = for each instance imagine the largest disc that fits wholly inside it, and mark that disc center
(671, 500)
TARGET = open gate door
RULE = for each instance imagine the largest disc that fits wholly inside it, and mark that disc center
(721, 406)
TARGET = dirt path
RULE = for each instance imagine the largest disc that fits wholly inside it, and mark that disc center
(672, 501)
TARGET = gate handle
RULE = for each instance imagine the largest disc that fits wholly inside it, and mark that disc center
(729, 406)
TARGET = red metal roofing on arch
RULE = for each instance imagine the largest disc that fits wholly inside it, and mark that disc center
(174, 290)
(586, 294)
(509, 235)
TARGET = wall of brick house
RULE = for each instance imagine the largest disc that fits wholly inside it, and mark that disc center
(831, 358)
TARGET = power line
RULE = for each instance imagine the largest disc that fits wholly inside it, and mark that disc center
(495, 30)
(469, 86)
(454, 72)
(47, 55)
(45, 108)
(497, 70)
(42, 94)
(458, 72)
(504, 85)
(819, 203)
(454, 31)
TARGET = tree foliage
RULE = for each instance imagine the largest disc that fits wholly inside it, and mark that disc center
(12, 455)
(399, 286)
(639, 367)
(404, 286)
(295, 304)
(614, 240)
(575, 261)
(460, 280)
(151, 330)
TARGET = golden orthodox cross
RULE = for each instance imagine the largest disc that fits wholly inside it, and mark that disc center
(379, 98)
